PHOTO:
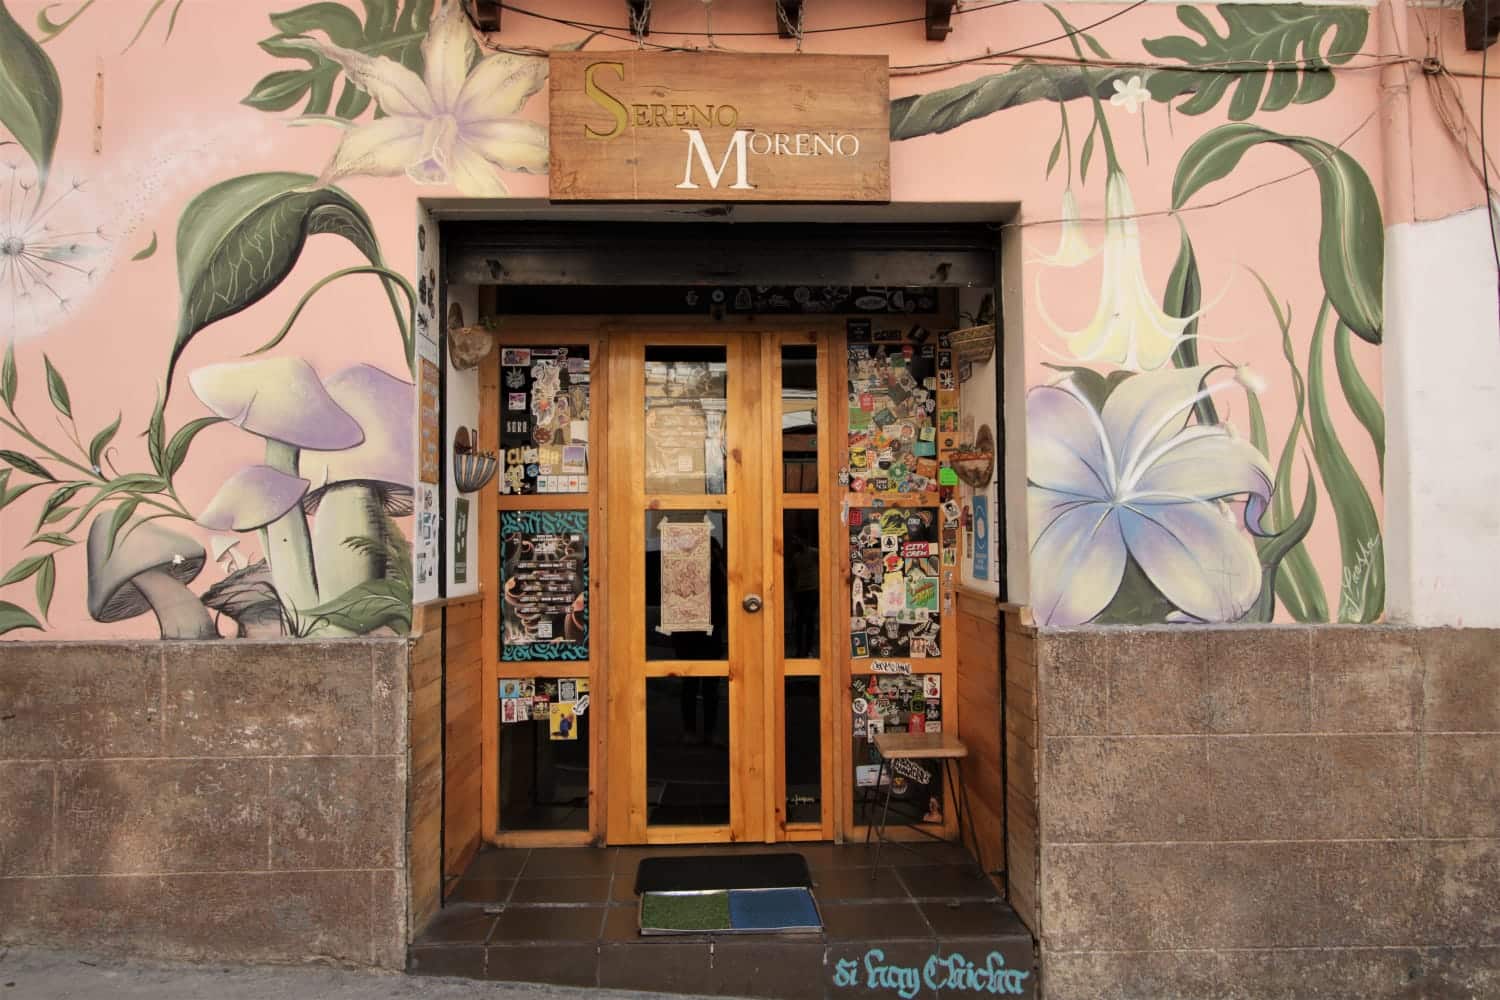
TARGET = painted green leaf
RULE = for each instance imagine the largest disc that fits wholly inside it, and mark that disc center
(1056, 152)
(239, 239)
(1297, 582)
(30, 94)
(13, 617)
(385, 32)
(1094, 386)
(46, 582)
(1362, 582)
(53, 538)
(24, 569)
(148, 251)
(118, 520)
(1183, 297)
(101, 442)
(942, 110)
(57, 389)
(369, 606)
(1367, 409)
(1273, 56)
(177, 448)
(156, 436)
(1087, 155)
(30, 466)
(11, 495)
(8, 377)
(56, 501)
(1351, 241)
(1274, 549)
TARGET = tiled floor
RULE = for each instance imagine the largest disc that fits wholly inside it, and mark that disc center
(925, 920)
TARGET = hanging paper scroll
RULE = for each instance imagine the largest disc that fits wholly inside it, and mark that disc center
(686, 604)
(544, 582)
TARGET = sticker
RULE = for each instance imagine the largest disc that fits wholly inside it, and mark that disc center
(947, 477)
(562, 721)
(916, 722)
(515, 401)
(508, 709)
(515, 356)
(567, 690)
(859, 645)
(890, 667)
(581, 705)
(510, 689)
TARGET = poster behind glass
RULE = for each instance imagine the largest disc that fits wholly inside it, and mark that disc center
(544, 419)
(544, 585)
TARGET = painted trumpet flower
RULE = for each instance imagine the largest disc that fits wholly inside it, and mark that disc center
(1132, 478)
(450, 125)
(1072, 247)
(1129, 328)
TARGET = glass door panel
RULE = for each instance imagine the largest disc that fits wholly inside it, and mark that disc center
(687, 711)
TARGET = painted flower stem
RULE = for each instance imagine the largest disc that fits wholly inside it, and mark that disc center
(180, 614)
(406, 324)
(90, 476)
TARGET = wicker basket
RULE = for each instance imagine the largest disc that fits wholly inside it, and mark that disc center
(973, 344)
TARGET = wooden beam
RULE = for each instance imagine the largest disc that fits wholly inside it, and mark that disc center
(1480, 32)
(486, 14)
(788, 17)
(638, 16)
(939, 16)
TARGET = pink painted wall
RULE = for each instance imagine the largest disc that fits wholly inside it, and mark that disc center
(146, 128)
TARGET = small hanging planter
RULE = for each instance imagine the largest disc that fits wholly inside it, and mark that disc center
(975, 463)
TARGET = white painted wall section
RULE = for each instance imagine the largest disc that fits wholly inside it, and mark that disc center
(1442, 397)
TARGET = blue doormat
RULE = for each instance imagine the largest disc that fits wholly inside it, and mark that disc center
(733, 911)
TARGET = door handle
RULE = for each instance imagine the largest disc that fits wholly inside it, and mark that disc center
(752, 603)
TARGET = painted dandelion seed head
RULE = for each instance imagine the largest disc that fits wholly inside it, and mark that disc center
(43, 250)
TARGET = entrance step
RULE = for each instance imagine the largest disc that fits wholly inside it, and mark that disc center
(925, 924)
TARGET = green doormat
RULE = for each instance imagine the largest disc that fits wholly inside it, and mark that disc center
(732, 911)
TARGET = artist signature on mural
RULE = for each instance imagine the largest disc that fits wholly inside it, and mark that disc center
(939, 972)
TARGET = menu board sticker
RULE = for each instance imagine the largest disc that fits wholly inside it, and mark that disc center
(544, 574)
(544, 426)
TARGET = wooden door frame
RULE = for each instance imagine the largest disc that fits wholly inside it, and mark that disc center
(834, 664)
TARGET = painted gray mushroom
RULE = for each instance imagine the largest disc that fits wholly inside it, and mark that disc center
(356, 488)
(283, 401)
(148, 569)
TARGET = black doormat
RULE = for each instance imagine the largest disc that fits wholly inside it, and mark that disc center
(696, 872)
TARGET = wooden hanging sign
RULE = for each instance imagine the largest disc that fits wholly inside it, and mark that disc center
(719, 126)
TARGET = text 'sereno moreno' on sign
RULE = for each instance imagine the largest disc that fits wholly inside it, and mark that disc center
(717, 126)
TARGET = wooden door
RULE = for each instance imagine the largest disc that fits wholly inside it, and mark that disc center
(686, 575)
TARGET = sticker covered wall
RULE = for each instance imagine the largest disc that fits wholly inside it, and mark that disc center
(894, 606)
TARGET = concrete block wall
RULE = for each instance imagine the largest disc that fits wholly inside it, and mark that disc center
(1269, 812)
(205, 801)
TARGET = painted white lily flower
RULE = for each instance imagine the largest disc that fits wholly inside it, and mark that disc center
(1072, 248)
(1129, 328)
(449, 126)
(1130, 94)
(1134, 478)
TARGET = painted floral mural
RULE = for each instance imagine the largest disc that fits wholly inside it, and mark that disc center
(232, 454)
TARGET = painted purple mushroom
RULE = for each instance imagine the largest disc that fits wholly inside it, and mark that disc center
(356, 490)
(148, 569)
(283, 401)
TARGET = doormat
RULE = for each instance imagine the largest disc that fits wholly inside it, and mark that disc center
(699, 872)
(733, 911)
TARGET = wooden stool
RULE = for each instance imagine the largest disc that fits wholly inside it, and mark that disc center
(922, 746)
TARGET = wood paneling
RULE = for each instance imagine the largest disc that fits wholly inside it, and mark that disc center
(979, 720)
(1021, 764)
(425, 767)
(693, 126)
(463, 722)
